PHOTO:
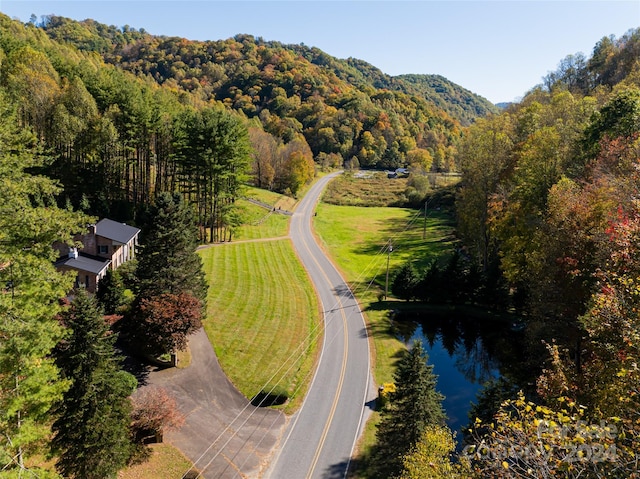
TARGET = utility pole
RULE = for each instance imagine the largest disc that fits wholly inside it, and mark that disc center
(424, 228)
(386, 282)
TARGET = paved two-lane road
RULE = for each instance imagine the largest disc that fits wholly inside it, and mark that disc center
(320, 437)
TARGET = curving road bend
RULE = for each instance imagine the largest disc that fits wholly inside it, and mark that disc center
(320, 438)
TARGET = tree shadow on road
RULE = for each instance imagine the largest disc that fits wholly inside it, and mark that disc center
(336, 471)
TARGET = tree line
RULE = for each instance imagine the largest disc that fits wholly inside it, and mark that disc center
(548, 217)
(63, 390)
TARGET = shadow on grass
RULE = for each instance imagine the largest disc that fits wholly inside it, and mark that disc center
(268, 399)
(389, 328)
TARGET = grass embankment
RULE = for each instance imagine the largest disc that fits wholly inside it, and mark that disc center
(262, 314)
(262, 318)
(166, 462)
(357, 238)
(260, 222)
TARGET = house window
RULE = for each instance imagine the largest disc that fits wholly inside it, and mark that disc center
(103, 249)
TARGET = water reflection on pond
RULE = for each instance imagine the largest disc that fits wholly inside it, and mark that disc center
(466, 351)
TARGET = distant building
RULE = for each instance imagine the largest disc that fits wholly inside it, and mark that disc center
(398, 172)
(107, 244)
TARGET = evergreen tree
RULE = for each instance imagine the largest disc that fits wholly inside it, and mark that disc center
(404, 282)
(110, 294)
(169, 273)
(30, 289)
(212, 153)
(92, 426)
(168, 262)
(413, 406)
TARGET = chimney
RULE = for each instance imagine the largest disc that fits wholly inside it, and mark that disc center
(92, 229)
(73, 253)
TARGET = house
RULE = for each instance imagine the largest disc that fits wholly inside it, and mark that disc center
(107, 244)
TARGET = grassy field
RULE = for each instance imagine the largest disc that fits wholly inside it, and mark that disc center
(356, 237)
(366, 189)
(263, 317)
(260, 223)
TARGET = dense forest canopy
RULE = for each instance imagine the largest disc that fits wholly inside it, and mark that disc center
(114, 108)
(549, 203)
(294, 90)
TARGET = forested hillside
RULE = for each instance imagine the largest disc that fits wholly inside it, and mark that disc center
(181, 60)
(341, 107)
(116, 108)
(549, 213)
(549, 221)
(459, 102)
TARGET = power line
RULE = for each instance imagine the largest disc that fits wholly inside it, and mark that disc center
(312, 336)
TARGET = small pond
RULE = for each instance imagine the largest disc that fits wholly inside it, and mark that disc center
(466, 351)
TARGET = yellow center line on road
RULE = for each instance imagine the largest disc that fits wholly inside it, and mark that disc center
(335, 398)
(343, 369)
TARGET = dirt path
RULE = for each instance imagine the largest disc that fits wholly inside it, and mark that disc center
(257, 240)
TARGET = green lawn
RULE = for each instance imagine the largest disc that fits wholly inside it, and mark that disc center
(262, 311)
(166, 462)
(356, 238)
(263, 317)
(260, 223)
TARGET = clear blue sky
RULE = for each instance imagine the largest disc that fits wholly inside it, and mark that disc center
(497, 49)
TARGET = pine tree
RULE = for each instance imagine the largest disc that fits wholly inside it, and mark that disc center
(30, 289)
(414, 405)
(404, 282)
(110, 294)
(169, 271)
(168, 262)
(92, 426)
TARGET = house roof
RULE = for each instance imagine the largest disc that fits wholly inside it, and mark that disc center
(115, 231)
(83, 262)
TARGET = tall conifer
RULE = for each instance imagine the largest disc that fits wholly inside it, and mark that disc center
(169, 273)
(414, 405)
(92, 426)
(168, 262)
(30, 289)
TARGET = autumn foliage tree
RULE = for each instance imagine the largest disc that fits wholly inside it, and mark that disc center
(578, 254)
(165, 321)
(154, 411)
(529, 440)
(432, 456)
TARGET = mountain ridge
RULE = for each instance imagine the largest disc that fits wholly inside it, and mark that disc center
(113, 42)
